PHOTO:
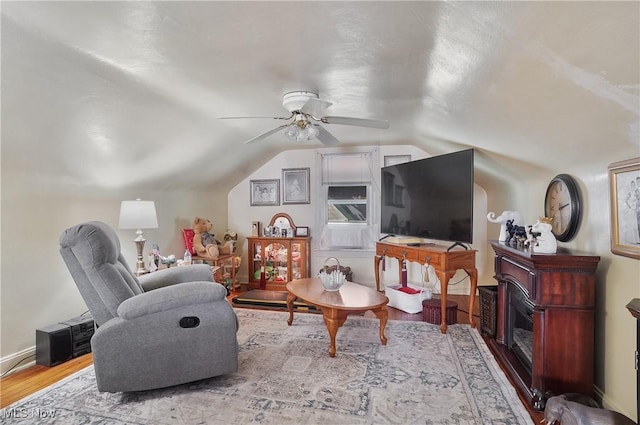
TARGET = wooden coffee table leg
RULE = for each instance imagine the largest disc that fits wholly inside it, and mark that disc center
(383, 315)
(290, 299)
(333, 319)
(332, 326)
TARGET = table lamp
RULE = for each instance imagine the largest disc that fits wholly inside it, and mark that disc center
(138, 215)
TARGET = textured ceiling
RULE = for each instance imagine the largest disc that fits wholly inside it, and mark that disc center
(94, 92)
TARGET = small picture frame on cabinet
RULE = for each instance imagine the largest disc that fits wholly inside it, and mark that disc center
(302, 231)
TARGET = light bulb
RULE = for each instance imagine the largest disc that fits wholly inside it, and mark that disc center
(312, 131)
(302, 136)
(292, 132)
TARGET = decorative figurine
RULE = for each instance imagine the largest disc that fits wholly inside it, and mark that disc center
(169, 260)
(156, 255)
(514, 216)
(546, 242)
(515, 231)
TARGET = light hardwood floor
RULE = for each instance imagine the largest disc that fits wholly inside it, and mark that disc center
(22, 383)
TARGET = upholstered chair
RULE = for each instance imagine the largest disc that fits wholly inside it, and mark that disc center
(165, 328)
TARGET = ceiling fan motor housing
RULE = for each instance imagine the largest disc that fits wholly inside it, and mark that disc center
(295, 100)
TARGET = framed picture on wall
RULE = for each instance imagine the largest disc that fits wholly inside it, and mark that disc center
(624, 193)
(396, 159)
(264, 192)
(296, 186)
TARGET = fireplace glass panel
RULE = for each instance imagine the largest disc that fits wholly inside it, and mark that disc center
(520, 326)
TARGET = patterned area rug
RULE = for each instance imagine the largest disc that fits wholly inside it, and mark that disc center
(287, 377)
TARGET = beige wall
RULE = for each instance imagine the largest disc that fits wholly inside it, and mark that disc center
(37, 289)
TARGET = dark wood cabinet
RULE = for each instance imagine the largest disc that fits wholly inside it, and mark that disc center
(556, 293)
(634, 309)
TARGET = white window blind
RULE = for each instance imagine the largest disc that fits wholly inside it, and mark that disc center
(348, 215)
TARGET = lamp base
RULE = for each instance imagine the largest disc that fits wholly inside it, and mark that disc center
(140, 267)
(140, 272)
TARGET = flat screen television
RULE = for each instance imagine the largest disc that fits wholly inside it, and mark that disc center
(429, 198)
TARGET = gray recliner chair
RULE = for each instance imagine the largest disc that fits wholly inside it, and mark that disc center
(165, 328)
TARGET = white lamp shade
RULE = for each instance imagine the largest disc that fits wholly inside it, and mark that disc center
(138, 215)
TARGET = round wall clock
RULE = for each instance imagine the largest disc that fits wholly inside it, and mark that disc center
(563, 204)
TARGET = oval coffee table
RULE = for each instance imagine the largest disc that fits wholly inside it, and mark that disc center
(352, 298)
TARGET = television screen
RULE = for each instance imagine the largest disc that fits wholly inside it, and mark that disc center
(429, 198)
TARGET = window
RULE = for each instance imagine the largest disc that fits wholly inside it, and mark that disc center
(349, 219)
(347, 204)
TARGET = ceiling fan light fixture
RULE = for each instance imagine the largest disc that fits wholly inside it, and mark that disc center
(301, 130)
(306, 109)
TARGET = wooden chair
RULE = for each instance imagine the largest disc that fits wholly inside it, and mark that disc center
(223, 266)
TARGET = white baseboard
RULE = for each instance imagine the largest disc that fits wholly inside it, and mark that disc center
(6, 363)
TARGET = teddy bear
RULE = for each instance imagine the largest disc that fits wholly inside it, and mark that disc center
(205, 244)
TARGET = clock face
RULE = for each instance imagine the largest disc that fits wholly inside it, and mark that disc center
(562, 205)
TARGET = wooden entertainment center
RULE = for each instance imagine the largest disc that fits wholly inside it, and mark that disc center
(446, 261)
(556, 293)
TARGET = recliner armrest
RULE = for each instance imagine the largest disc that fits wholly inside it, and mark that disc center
(171, 297)
(171, 276)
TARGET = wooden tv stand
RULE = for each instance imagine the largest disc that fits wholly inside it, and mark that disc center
(445, 261)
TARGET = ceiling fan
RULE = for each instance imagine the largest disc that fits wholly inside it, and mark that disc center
(307, 112)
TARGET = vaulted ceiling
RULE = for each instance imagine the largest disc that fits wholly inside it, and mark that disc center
(117, 94)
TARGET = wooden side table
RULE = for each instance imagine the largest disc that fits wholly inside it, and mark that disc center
(228, 263)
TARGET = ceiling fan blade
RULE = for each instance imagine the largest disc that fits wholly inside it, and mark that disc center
(361, 122)
(325, 137)
(266, 134)
(242, 118)
(315, 107)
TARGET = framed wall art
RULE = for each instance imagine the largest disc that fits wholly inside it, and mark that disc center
(396, 159)
(624, 193)
(264, 192)
(296, 186)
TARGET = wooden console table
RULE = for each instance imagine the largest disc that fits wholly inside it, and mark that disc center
(445, 262)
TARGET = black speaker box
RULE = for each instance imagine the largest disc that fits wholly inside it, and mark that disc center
(54, 345)
(82, 329)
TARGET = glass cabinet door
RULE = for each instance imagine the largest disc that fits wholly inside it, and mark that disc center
(297, 261)
(276, 262)
(257, 260)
